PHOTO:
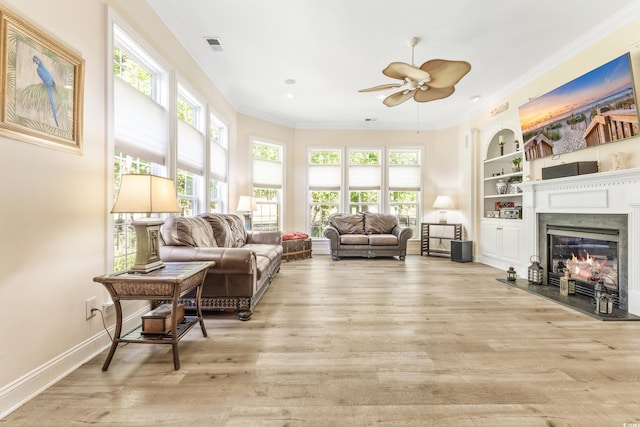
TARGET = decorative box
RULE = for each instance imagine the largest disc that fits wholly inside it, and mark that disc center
(296, 249)
(158, 320)
(569, 169)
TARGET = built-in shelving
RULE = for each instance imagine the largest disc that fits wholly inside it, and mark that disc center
(499, 166)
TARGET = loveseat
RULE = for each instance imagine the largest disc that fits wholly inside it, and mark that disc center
(246, 262)
(366, 235)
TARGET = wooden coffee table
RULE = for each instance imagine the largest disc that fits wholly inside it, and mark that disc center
(165, 284)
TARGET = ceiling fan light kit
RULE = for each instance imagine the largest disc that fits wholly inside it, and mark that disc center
(435, 79)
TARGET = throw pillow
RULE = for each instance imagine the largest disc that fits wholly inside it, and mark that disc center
(238, 232)
(221, 229)
(348, 223)
(378, 223)
(187, 231)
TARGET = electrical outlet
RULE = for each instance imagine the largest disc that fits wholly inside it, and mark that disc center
(90, 304)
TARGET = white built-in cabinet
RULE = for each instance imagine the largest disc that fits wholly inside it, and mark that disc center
(501, 239)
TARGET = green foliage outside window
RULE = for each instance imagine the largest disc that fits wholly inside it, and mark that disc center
(266, 152)
(131, 72)
(364, 158)
(324, 158)
(186, 111)
(323, 204)
(403, 158)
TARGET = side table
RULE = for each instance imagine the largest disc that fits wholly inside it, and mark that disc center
(436, 237)
(168, 283)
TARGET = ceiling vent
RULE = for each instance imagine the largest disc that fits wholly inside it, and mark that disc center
(215, 44)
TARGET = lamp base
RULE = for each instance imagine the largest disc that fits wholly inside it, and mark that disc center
(147, 245)
(247, 221)
(443, 217)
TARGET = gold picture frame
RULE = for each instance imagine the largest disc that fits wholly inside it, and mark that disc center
(41, 92)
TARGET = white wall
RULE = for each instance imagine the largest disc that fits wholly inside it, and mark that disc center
(53, 214)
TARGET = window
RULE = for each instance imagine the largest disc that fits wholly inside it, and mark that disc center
(140, 130)
(134, 66)
(365, 180)
(377, 180)
(218, 165)
(325, 177)
(191, 152)
(404, 186)
(268, 171)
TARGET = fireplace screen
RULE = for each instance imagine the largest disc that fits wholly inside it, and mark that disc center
(589, 256)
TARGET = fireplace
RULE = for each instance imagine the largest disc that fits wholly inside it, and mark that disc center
(593, 247)
(605, 201)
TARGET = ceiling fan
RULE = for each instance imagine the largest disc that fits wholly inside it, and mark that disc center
(435, 79)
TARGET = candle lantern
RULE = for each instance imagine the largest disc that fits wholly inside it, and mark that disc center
(511, 274)
(535, 271)
(564, 283)
(571, 286)
(604, 300)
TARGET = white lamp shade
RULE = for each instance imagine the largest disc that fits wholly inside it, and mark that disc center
(146, 194)
(247, 204)
(443, 202)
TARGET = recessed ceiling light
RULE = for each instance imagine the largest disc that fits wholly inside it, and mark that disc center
(474, 98)
(290, 82)
(381, 97)
(289, 95)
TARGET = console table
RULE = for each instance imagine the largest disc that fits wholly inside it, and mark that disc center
(168, 284)
(436, 237)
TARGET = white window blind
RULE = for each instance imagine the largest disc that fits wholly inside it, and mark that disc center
(325, 177)
(190, 148)
(267, 174)
(140, 126)
(218, 162)
(365, 177)
(404, 177)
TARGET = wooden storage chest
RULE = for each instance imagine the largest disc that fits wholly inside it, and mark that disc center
(158, 320)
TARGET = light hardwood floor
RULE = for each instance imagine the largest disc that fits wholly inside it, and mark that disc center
(358, 342)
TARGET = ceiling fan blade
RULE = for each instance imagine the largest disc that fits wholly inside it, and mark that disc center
(397, 98)
(400, 70)
(381, 87)
(445, 73)
(432, 94)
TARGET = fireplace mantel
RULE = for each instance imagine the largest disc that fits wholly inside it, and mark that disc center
(613, 192)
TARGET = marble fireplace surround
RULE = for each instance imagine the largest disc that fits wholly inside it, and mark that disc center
(613, 192)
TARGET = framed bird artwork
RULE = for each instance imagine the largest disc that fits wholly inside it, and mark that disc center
(42, 87)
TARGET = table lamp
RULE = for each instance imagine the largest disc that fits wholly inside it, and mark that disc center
(247, 204)
(146, 194)
(443, 203)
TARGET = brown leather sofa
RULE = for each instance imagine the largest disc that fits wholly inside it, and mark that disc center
(246, 262)
(366, 235)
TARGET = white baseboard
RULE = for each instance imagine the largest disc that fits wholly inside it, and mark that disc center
(20, 391)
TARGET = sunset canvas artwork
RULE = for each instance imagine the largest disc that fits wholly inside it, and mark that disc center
(593, 109)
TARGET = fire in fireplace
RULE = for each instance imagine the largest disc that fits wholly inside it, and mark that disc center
(590, 255)
(593, 247)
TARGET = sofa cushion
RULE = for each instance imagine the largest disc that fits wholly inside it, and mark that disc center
(378, 223)
(187, 231)
(383, 240)
(354, 239)
(238, 232)
(348, 223)
(220, 228)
